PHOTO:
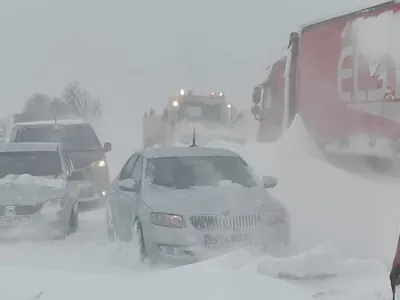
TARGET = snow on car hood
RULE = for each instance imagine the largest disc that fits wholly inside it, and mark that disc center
(29, 189)
(232, 197)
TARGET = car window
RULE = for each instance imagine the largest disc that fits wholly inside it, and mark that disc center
(74, 137)
(127, 169)
(35, 163)
(186, 172)
(137, 170)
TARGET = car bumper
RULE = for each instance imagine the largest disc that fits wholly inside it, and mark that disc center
(87, 192)
(99, 177)
(183, 246)
(49, 225)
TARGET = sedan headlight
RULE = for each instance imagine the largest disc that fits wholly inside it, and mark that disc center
(53, 206)
(275, 218)
(275, 215)
(168, 220)
(98, 164)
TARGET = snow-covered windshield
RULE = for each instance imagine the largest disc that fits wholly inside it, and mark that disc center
(200, 112)
(74, 137)
(186, 172)
(35, 163)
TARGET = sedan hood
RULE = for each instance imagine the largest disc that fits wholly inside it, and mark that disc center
(214, 200)
(26, 189)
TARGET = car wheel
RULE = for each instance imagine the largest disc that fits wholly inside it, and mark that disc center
(73, 222)
(110, 228)
(138, 242)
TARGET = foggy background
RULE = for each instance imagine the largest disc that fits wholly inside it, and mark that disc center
(134, 54)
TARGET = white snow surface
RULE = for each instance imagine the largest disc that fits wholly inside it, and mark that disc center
(27, 179)
(344, 234)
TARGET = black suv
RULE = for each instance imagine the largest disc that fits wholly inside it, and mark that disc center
(82, 144)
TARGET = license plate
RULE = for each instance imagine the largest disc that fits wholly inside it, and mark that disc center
(227, 240)
(13, 221)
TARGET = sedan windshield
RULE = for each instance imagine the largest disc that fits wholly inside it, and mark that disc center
(74, 137)
(40, 163)
(186, 172)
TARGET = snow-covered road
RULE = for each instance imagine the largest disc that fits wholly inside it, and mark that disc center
(344, 232)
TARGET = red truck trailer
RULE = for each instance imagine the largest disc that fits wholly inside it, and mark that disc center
(343, 95)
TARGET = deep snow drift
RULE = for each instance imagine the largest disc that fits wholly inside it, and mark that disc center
(344, 234)
(327, 204)
(201, 281)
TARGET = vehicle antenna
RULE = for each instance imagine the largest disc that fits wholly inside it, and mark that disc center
(194, 138)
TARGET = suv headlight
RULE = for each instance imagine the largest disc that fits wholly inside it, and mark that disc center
(99, 164)
(167, 220)
(53, 206)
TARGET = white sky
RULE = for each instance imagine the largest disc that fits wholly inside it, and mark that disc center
(134, 54)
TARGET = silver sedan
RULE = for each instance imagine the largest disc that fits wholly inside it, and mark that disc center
(186, 204)
(38, 191)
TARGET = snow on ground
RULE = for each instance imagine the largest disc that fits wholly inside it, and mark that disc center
(344, 235)
(356, 217)
(201, 281)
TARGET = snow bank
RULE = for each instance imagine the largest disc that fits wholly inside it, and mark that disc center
(200, 281)
(321, 271)
(327, 204)
(297, 144)
(269, 158)
(29, 180)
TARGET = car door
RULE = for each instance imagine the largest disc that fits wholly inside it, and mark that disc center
(116, 197)
(74, 186)
(129, 198)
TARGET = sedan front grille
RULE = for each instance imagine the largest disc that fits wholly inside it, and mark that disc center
(216, 222)
(21, 210)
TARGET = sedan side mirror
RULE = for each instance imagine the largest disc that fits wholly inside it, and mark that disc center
(269, 182)
(128, 185)
(75, 176)
(107, 147)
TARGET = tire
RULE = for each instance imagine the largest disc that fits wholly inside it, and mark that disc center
(138, 242)
(73, 222)
(110, 228)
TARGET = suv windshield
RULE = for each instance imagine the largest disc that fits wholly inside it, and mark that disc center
(75, 137)
(186, 172)
(40, 163)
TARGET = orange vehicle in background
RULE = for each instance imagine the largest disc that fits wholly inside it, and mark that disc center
(211, 116)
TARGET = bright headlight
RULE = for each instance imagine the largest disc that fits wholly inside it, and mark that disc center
(168, 220)
(99, 164)
(53, 206)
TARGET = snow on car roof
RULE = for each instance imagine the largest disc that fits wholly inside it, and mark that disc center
(187, 151)
(53, 122)
(27, 147)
